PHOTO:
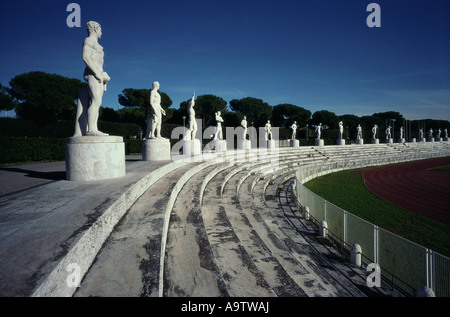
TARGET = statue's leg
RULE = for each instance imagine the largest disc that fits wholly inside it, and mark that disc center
(149, 128)
(82, 108)
(96, 91)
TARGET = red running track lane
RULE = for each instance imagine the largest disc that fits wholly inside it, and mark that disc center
(414, 187)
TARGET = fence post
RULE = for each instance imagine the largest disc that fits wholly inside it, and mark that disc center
(355, 254)
(323, 229)
(375, 244)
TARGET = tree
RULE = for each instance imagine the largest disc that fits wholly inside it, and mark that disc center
(7, 103)
(256, 110)
(45, 98)
(325, 117)
(284, 115)
(205, 108)
(140, 99)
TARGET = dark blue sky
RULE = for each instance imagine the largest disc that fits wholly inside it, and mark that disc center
(317, 54)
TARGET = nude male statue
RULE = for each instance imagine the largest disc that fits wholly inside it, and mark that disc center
(87, 115)
(154, 123)
(192, 122)
(244, 126)
(218, 131)
(268, 131)
(341, 130)
(294, 130)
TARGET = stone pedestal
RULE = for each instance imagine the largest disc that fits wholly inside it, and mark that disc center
(156, 149)
(389, 141)
(412, 140)
(359, 141)
(375, 141)
(401, 140)
(244, 145)
(294, 143)
(421, 139)
(430, 139)
(320, 142)
(445, 139)
(438, 139)
(271, 144)
(340, 142)
(94, 158)
(192, 147)
(217, 146)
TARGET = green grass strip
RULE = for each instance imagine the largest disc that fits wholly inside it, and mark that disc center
(346, 189)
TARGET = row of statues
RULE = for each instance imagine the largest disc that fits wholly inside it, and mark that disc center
(90, 100)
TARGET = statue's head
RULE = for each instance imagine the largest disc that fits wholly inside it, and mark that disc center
(156, 85)
(93, 26)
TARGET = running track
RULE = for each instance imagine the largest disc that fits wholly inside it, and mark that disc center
(414, 187)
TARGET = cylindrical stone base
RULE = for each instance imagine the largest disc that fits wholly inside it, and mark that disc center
(401, 140)
(375, 141)
(430, 139)
(244, 145)
(360, 141)
(192, 147)
(94, 158)
(389, 141)
(340, 142)
(412, 140)
(156, 149)
(320, 142)
(294, 143)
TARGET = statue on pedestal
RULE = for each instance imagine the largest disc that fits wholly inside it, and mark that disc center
(154, 123)
(401, 132)
(89, 101)
(421, 133)
(430, 133)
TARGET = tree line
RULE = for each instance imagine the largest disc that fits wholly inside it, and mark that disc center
(45, 98)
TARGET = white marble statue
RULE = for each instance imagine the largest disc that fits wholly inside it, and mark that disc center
(421, 133)
(318, 131)
(430, 133)
(218, 131)
(244, 126)
(401, 132)
(294, 130)
(268, 131)
(445, 133)
(341, 130)
(154, 123)
(388, 132)
(192, 122)
(89, 102)
(439, 133)
(358, 132)
(374, 132)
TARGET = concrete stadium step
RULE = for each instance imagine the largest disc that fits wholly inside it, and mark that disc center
(240, 274)
(190, 268)
(129, 262)
(303, 263)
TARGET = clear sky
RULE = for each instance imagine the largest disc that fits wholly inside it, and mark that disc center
(317, 54)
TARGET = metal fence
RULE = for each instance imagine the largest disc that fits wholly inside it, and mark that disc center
(407, 264)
